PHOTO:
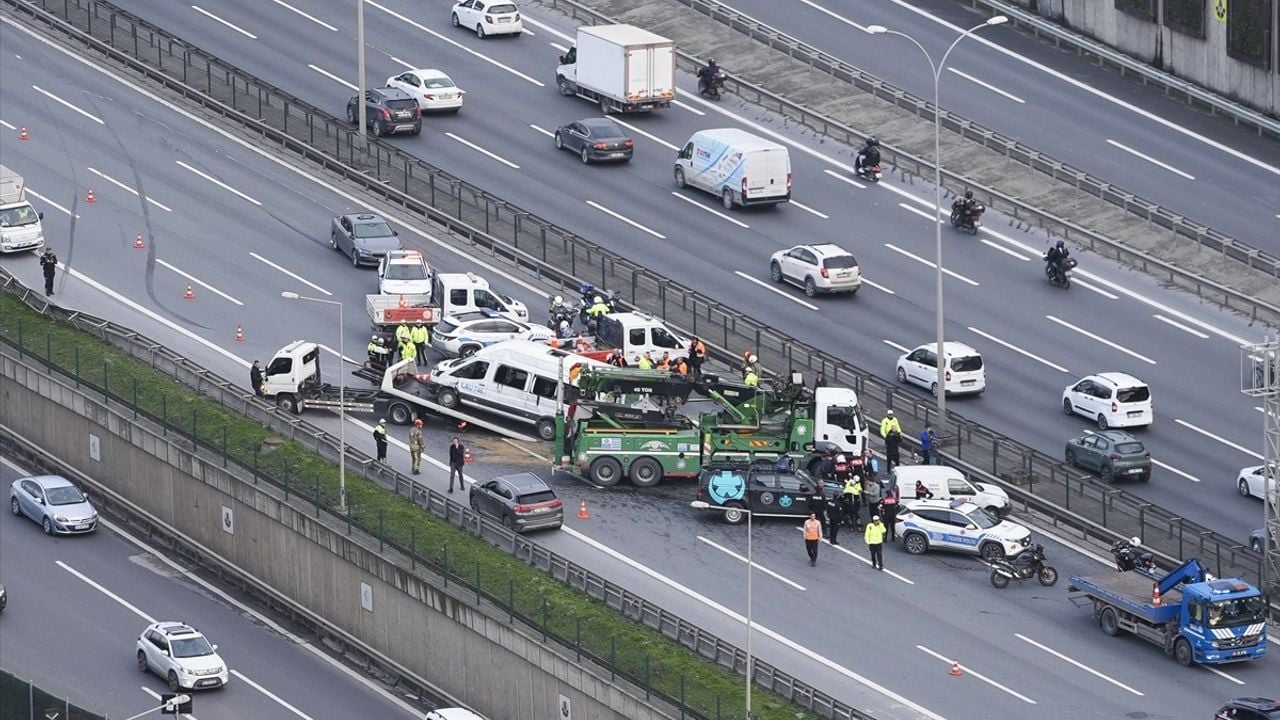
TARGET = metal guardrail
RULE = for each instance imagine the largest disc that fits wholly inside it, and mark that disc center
(1203, 236)
(1172, 86)
(561, 259)
(23, 700)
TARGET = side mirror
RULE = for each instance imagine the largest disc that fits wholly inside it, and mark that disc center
(970, 527)
(215, 647)
(40, 215)
(164, 653)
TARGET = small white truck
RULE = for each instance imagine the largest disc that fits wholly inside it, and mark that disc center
(451, 294)
(622, 67)
(20, 226)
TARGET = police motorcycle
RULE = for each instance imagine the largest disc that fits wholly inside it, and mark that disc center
(1029, 563)
(1129, 556)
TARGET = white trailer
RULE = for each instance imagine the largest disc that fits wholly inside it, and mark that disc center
(621, 67)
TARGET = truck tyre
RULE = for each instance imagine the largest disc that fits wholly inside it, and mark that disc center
(288, 403)
(1109, 623)
(734, 514)
(1182, 652)
(645, 472)
(606, 472)
(726, 198)
(680, 177)
(915, 543)
(546, 428)
(448, 398)
(401, 413)
(991, 552)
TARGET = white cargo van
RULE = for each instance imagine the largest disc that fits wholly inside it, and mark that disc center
(948, 483)
(467, 292)
(514, 379)
(736, 166)
(20, 227)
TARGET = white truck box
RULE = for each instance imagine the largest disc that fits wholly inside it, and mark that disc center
(623, 67)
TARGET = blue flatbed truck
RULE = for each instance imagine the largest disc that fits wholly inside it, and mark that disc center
(1198, 619)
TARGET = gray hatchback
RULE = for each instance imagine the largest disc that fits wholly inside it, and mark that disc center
(521, 502)
(1113, 454)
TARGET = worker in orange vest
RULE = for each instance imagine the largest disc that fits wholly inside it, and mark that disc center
(812, 537)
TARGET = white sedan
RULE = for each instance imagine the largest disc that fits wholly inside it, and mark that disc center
(434, 91)
(1249, 481)
(487, 17)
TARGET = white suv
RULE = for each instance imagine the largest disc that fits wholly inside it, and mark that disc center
(404, 272)
(182, 656)
(961, 526)
(825, 268)
(966, 372)
(1111, 399)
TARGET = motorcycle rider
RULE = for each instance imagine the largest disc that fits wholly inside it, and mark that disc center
(966, 205)
(706, 74)
(1054, 258)
(597, 310)
(869, 155)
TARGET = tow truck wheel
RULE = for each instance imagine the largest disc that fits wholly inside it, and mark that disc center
(606, 472)
(288, 404)
(1182, 652)
(448, 398)
(1109, 623)
(401, 414)
(734, 515)
(645, 472)
(547, 429)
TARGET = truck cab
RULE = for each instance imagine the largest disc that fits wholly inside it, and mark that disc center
(20, 223)
(294, 369)
(637, 333)
(467, 292)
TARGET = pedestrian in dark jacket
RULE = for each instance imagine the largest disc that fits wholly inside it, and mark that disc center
(255, 378)
(892, 441)
(48, 264)
(818, 506)
(457, 459)
(835, 516)
(380, 439)
(889, 513)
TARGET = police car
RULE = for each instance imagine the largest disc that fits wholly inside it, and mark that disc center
(463, 334)
(961, 526)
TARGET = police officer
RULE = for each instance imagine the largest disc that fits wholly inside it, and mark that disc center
(403, 335)
(889, 423)
(420, 337)
(48, 264)
(751, 379)
(378, 352)
(835, 517)
(892, 441)
(818, 506)
(380, 439)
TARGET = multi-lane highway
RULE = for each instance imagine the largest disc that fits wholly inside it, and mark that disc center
(78, 604)
(242, 226)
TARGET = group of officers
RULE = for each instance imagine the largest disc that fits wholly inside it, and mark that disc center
(410, 344)
(860, 487)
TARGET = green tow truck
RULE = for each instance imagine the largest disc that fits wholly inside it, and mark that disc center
(649, 424)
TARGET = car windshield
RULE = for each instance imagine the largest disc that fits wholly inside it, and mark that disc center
(14, 216)
(437, 82)
(371, 230)
(405, 271)
(1242, 611)
(1134, 394)
(839, 262)
(846, 418)
(191, 647)
(970, 363)
(1129, 448)
(65, 495)
(982, 518)
(500, 9)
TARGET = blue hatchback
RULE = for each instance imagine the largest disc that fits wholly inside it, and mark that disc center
(54, 503)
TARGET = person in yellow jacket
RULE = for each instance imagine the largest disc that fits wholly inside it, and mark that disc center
(874, 535)
(403, 333)
(889, 423)
(420, 336)
(751, 379)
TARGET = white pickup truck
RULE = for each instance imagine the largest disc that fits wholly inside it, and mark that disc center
(451, 294)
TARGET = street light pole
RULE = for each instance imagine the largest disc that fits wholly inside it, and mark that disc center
(937, 192)
(342, 397)
(360, 106)
(703, 505)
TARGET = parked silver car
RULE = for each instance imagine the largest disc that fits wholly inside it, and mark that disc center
(54, 503)
(182, 656)
(521, 502)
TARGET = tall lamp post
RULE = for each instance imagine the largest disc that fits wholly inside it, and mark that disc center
(342, 397)
(937, 186)
(701, 505)
(360, 107)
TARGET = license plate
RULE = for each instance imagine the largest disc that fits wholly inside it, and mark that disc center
(1134, 413)
(541, 510)
(82, 526)
(206, 683)
(618, 154)
(967, 382)
(501, 20)
(1134, 471)
(404, 115)
(404, 127)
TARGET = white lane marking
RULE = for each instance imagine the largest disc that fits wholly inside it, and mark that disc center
(690, 108)
(626, 220)
(403, 64)
(547, 28)
(153, 316)
(766, 286)
(49, 202)
(156, 696)
(57, 99)
(548, 133)
(197, 281)
(808, 209)
(1100, 291)
(126, 188)
(15, 127)
(776, 636)
(921, 213)
(479, 149)
(291, 274)
(1180, 326)
(335, 78)
(861, 559)
(1003, 249)
(844, 179)
(638, 131)
(756, 565)
(1219, 438)
(896, 346)
(1100, 339)
(1150, 159)
(93, 584)
(455, 43)
(1017, 349)
(1081, 85)
(217, 182)
(1078, 664)
(1174, 470)
(1220, 673)
(559, 47)
(312, 18)
(833, 15)
(713, 211)
(229, 24)
(877, 286)
(279, 700)
(930, 263)
(988, 86)
(978, 675)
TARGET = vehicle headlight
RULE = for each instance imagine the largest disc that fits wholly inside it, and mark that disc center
(60, 518)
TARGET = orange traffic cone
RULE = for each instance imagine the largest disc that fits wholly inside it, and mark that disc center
(23, 134)
(1155, 595)
(137, 242)
(955, 669)
(466, 455)
(189, 294)
(239, 334)
(582, 510)
(90, 198)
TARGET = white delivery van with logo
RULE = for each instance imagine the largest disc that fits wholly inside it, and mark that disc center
(735, 166)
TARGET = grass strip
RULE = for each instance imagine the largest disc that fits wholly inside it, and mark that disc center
(631, 650)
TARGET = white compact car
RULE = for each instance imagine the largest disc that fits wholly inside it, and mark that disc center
(1249, 481)
(966, 372)
(182, 656)
(1111, 399)
(824, 268)
(462, 335)
(960, 526)
(404, 272)
(434, 91)
(487, 17)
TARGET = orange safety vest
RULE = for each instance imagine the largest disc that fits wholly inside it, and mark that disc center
(812, 530)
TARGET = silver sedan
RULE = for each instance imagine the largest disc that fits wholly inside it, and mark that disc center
(55, 503)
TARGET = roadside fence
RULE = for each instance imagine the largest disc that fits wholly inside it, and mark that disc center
(22, 700)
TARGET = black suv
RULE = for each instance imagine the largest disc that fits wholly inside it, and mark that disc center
(760, 487)
(387, 111)
(1251, 708)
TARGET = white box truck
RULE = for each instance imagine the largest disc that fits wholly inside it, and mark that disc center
(735, 166)
(20, 227)
(622, 67)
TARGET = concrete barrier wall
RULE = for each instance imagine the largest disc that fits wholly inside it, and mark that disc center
(1203, 61)
(342, 578)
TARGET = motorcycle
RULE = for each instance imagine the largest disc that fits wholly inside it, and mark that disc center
(1025, 565)
(559, 314)
(711, 87)
(870, 173)
(1129, 556)
(1061, 278)
(588, 293)
(969, 221)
